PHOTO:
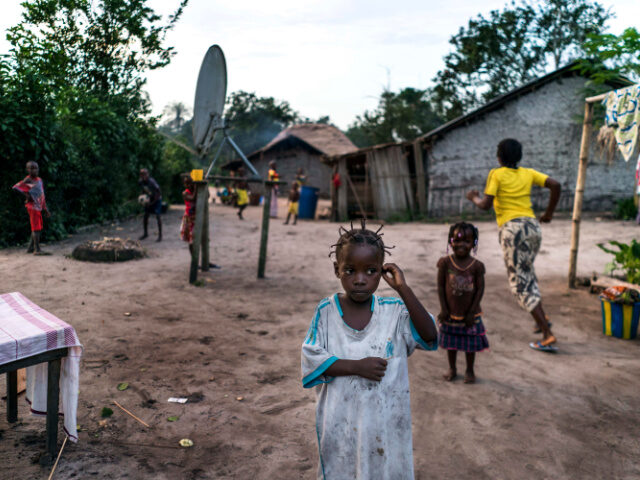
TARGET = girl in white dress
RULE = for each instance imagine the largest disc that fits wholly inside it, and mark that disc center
(355, 354)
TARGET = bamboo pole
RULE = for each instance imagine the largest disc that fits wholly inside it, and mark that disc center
(420, 177)
(264, 236)
(580, 181)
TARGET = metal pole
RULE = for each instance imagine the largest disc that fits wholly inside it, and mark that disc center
(239, 152)
(213, 162)
(264, 235)
(577, 201)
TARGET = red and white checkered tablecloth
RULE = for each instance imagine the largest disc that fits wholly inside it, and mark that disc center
(26, 330)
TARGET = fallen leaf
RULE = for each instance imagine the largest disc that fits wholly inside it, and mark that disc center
(106, 412)
(173, 418)
(123, 386)
(185, 442)
(103, 423)
(239, 398)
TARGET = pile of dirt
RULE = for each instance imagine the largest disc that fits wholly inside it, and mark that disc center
(109, 249)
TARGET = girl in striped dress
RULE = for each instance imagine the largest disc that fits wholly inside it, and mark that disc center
(460, 289)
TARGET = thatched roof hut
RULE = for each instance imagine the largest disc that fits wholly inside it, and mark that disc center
(308, 145)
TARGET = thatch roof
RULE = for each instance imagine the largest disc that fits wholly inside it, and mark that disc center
(325, 139)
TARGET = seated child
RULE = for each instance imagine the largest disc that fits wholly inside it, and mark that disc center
(355, 354)
(32, 188)
(460, 289)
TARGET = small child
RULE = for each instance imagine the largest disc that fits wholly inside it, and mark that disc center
(460, 289)
(355, 353)
(32, 188)
(189, 217)
(292, 205)
(242, 195)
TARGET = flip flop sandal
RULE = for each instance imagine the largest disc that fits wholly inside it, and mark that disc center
(543, 348)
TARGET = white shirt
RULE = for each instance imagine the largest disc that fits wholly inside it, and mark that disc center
(363, 426)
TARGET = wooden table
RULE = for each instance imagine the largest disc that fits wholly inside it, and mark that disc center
(53, 393)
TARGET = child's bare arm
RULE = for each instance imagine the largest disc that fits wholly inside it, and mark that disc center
(372, 368)
(469, 318)
(418, 314)
(442, 283)
(555, 188)
(483, 203)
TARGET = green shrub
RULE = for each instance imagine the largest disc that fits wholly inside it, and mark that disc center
(626, 259)
(626, 209)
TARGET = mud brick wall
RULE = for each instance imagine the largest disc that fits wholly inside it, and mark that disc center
(548, 123)
(288, 161)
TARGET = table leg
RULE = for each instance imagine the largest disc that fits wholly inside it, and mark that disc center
(53, 398)
(12, 396)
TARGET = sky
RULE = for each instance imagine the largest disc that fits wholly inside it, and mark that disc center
(324, 57)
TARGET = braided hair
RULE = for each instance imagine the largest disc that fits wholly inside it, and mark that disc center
(360, 235)
(464, 227)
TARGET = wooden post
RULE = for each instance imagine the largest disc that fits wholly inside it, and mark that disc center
(264, 235)
(333, 217)
(420, 177)
(201, 200)
(205, 232)
(577, 201)
(12, 396)
(355, 194)
(53, 398)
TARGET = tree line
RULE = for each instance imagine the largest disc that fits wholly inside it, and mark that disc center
(72, 96)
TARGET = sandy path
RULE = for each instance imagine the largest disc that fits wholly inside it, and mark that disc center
(531, 416)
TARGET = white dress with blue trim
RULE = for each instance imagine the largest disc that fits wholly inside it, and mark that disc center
(363, 426)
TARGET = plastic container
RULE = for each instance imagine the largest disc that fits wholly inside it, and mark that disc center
(196, 175)
(619, 320)
(308, 202)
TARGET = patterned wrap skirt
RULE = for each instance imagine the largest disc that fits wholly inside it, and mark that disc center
(186, 228)
(454, 335)
(520, 240)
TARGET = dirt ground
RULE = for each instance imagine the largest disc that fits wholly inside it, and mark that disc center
(572, 415)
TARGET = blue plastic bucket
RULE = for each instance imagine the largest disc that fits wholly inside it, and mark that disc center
(308, 202)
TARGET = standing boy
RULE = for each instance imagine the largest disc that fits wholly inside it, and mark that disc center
(292, 206)
(32, 189)
(152, 189)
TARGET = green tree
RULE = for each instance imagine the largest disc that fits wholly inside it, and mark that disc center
(610, 56)
(177, 113)
(253, 122)
(511, 46)
(72, 99)
(399, 116)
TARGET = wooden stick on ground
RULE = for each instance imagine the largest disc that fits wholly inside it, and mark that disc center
(57, 459)
(127, 411)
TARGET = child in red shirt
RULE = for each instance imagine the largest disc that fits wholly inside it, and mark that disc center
(32, 188)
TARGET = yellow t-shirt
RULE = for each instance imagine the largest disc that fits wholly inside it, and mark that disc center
(511, 188)
(243, 198)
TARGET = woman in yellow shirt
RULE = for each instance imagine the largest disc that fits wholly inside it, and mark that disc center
(508, 189)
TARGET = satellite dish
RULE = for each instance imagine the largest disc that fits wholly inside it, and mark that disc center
(211, 91)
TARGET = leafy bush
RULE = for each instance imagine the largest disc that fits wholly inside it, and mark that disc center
(626, 209)
(80, 111)
(626, 259)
